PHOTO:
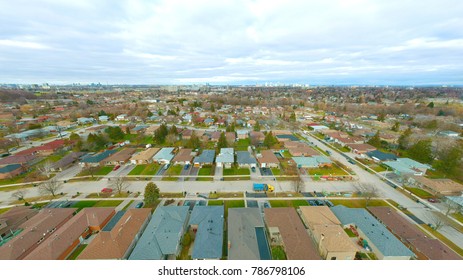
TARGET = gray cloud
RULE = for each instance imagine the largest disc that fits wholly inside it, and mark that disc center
(173, 41)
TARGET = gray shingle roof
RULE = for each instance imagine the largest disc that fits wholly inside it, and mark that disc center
(162, 235)
(9, 168)
(242, 223)
(376, 232)
(164, 154)
(209, 237)
(98, 157)
(244, 157)
(207, 156)
(226, 155)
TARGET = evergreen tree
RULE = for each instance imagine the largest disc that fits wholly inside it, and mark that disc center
(404, 139)
(257, 126)
(375, 141)
(421, 151)
(151, 193)
(396, 126)
(222, 141)
(269, 140)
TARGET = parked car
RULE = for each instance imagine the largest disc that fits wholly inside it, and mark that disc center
(186, 166)
(312, 203)
(253, 169)
(319, 202)
(329, 203)
(116, 167)
(107, 190)
(351, 161)
(139, 205)
(433, 200)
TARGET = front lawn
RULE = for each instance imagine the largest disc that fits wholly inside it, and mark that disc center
(359, 203)
(98, 171)
(276, 171)
(333, 170)
(419, 192)
(288, 203)
(214, 202)
(138, 169)
(84, 204)
(175, 171)
(235, 171)
(108, 203)
(205, 171)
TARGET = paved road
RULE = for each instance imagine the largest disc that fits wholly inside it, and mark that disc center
(69, 173)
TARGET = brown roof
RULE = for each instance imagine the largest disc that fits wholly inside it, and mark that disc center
(122, 155)
(62, 239)
(300, 148)
(442, 186)
(361, 147)
(322, 222)
(146, 154)
(183, 155)
(257, 135)
(297, 243)
(11, 219)
(267, 157)
(17, 159)
(115, 243)
(431, 248)
(321, 215)
(35, 231)
(231, 137)
(216, 135)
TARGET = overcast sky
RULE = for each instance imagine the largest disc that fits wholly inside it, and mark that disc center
(232, 42)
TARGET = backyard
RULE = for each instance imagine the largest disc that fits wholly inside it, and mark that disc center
(242, 144)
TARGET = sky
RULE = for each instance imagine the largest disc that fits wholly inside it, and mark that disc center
(365, 42)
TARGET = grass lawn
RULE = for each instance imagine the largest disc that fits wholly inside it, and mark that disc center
(358, 203)
(3, 210)
(108, 203)
(231, 194)
(349, 232)
(151, 169)
(235, 171)
(171, 195)
(101, 170)
(77, 252)
(278, 253)
(276, 171)
(242, 144)
(84, 204)
(205, 171)
(419, 192)
(15, 180)
(214, 202)
(458, 216)
(286, 154)
(174, 170)
(334, 170)
(37, 198)
(288, 203)
(138, 169)
(14, 188)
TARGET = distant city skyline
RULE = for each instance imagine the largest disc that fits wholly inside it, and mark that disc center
(174, 42)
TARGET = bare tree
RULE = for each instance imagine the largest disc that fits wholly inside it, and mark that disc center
(51, 186)
(91, 170)
(367, 191)
(297, 182)
(451, 207)
(45, 168)
(120, 184)
(20, 194)
(438, 220)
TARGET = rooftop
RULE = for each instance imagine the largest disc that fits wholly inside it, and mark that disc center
(209, 237)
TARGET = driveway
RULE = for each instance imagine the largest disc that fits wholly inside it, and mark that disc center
(185, 172)
(266, 171)
(69, 173)
(193, 172)
(218, 173)
(122, 171)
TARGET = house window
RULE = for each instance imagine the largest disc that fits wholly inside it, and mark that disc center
(333, 258)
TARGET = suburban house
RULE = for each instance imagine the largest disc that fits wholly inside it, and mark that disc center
(65, 239)
(245, 159)
(26, 160)
(95, 159)
(372, 233)
(225, 158)
(215, 136)
(121, 157)
(85, 120)
(361, 149)
(206, 226)
(206, 157)
(425, 247)
(35, 231)
(13, 218)
(11, 170)
(231, 137)
(286, 229)
(184, 156)
(327, 232)
(380, 156)
(267, 159)
(164, 156)
(163, 234)
(242, 133)
(299, 149)
(120, 240)
(448, 133)
(441, 187)
(282, 137)
(46, 149)
(103, 118)
(406, 166)
(121, 117)
(144, 157)
(256, 136)
(312, 162)
(66, 161)
(246, 235)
